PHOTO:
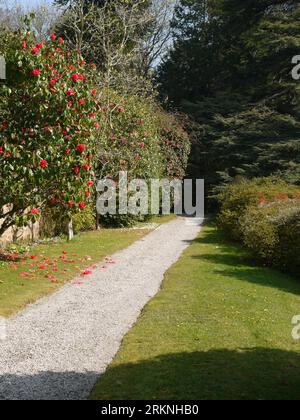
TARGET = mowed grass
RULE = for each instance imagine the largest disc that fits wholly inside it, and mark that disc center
(220, 328)
(49, 266)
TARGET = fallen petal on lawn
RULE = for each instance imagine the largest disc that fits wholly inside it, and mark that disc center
(24, 274)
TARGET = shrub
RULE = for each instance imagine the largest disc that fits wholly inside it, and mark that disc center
(265, 217)
(129, 141)
(85, 220)
(46, 155)
(288, 228)
(175, 144)
(244, 194)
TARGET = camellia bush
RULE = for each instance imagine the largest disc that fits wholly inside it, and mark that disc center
(59, 134)
(47, 130)
(175, 144)
(264, 214)
(138, 138)
(129, 142)
(129, 139)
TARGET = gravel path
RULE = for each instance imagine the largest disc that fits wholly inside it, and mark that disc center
(57, 348)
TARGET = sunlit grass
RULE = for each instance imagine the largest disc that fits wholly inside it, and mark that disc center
(48, 266)
(219, 329)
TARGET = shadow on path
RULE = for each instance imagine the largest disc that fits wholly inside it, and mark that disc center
(47, 386)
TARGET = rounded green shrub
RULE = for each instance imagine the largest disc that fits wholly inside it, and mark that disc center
(265, 216)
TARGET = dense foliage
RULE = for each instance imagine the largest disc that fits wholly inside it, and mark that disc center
(47, 131)
(265, 215)
(141, 139)
(59, 134)
(230, 70)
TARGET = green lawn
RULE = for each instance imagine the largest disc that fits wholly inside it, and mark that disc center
(54, 264)
(219, 329)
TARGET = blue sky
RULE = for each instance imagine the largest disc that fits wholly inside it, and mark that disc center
(28, 3)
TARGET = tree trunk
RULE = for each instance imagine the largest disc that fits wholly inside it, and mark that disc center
(70, 229)
(98, 227)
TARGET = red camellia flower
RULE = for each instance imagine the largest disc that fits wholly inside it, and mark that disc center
(67, 152)
(90, 183)
(92, 115)
(70, 92)
(70, 204)
(87, 193)
(74, 77)
(94, 92)
(35, 51)
(76, 170)
(81, 205)
(77, 76)
(86, 166)
(24, 45)
(34, 211)
(60, 40)
(1, 149)
(35, 72)
(81, 148)
(96, 125)
(53, 37)
(43, 164)
(82, 101)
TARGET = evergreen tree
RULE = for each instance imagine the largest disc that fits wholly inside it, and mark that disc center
(230, 69)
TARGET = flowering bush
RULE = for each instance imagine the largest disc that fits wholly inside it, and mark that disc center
(129, 141)
(264, 214)
(47, 129)
(58, 134)
(239, 197)
(175, 145)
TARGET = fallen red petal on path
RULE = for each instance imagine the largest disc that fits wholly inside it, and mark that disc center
(86, 273)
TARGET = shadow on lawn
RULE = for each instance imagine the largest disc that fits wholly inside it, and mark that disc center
(241, 266)
(217, 374)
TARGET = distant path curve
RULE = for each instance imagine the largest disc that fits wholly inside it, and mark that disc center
(57, 348)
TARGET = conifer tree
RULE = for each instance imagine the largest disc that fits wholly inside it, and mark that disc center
(230, 69)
